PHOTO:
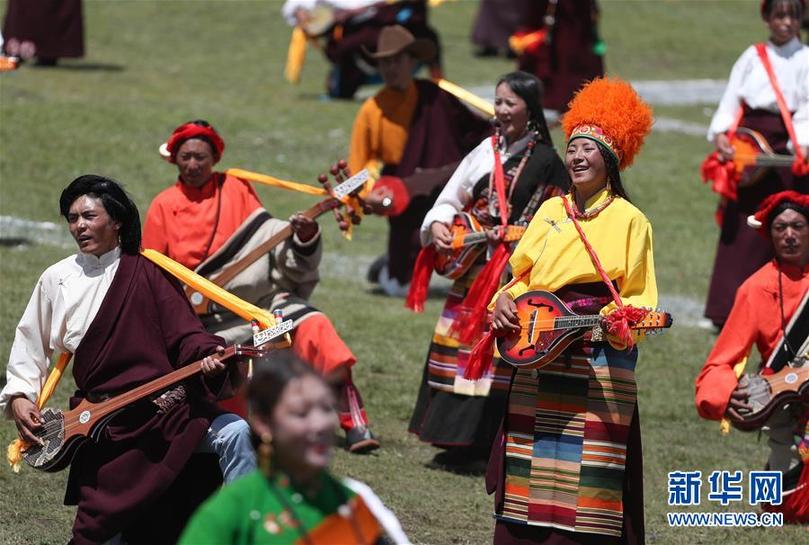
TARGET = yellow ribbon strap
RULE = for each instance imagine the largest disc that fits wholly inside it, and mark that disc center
(296, 55)
(275, 182)
(724, 425)
(210, 290)
(470, 98)
(18, 446)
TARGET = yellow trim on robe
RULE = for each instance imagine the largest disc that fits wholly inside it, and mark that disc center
(620, 235)
(381, 128)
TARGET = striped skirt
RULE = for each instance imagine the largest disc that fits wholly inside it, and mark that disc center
(566, 433)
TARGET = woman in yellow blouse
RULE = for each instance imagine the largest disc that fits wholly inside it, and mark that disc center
(568, 466)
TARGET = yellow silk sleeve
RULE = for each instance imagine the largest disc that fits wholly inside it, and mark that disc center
(639, 286)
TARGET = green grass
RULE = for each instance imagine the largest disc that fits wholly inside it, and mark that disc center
(154, 64)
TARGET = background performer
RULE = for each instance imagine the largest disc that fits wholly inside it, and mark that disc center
(208, 220)
(452, 411)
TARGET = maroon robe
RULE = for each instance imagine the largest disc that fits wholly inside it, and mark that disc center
(144, 329)
(53, 27)
(497, 20)
(569, 61)
(741, 251)
(442, 132)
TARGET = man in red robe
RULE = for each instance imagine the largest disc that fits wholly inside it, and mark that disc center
(764, 305)
(208, 220)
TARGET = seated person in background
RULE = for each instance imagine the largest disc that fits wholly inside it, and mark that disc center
(350, 27)
(764, 305)
(208, 220)
(126, 322)
(414, 134)
(293, 498)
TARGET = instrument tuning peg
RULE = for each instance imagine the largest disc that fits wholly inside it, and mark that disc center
(323, 179)
(334, 169)
(342, 164)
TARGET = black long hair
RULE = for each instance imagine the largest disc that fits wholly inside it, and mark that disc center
(613, 172)
(529, 88)
(795, 7)
(116, 202)
(271, 375)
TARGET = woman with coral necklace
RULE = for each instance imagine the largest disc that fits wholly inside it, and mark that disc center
(567, 468)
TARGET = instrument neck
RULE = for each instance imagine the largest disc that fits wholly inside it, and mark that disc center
(121, 401)
(574, 321)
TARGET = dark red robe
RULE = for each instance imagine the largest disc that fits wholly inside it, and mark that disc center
(570, 59)
(441, 133)
(44, 28)
(144, 329)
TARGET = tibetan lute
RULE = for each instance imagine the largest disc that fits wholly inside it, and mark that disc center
(62, 432)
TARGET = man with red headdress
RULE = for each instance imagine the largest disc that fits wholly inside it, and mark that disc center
(414, 134)
(208, 220)
(765, 303)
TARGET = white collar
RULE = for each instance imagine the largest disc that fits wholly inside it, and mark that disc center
(92, 262)
(788, 49)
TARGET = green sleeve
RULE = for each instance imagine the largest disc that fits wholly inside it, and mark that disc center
(216, 522)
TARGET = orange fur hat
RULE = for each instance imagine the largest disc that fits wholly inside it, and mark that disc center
(609, 111)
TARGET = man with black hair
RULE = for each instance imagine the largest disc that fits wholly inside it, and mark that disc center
(126, 323)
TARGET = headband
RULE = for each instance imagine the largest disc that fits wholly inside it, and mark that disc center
(187, 131)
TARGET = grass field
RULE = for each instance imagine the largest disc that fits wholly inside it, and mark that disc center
(154, 64)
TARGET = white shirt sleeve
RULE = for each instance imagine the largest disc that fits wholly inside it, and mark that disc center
(291, 6)
(801, 118)
(385, 516)
(458, 192)
(31, 351)
(728, 109)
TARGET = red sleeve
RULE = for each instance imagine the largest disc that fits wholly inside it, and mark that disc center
(717, 379)
(154, 229)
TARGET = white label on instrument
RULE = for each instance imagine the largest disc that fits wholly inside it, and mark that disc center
(269, 334)
(351, 184)
(791, 378)
(84, 417)
(196, 298)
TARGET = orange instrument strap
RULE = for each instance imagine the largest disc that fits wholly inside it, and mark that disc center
(761, 49)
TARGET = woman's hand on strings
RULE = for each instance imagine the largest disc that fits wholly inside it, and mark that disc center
(504, 317)
(27, 418)
(442, 237)
(212, 365)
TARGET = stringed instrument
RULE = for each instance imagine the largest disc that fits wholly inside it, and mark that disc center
(63, 432)
(548, 326)
(348, 186)
(753, 155)
(469, 240)
(768, 393)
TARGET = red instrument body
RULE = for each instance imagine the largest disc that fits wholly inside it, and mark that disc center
(468, 242)
(548, 326)
(769, 392)
(753, 155)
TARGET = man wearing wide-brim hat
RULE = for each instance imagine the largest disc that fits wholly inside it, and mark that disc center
(350, 26)
(412, 134)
